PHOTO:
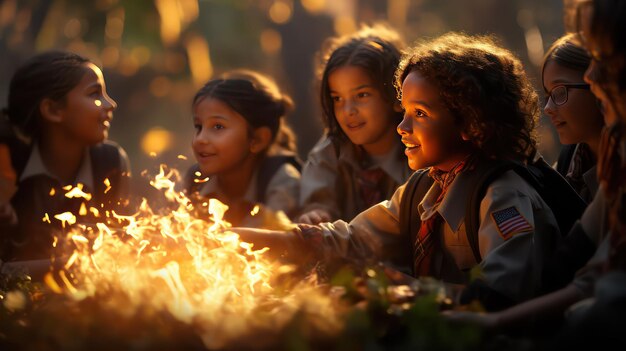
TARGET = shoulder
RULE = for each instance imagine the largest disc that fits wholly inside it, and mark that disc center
(109, 157)
(285, 173)
(510, 183)
(326, 147)
(109, 147)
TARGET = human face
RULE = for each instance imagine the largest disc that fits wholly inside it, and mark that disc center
(428, 129)
(222, 141)
(578, 119)
(361, 111)
(88, 109)
(602, 82)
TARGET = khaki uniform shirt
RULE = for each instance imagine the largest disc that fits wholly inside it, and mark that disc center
(281, 193)
(328, 180)
(511, 264)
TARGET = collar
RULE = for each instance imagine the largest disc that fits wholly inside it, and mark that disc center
(449, 208)
(35, 166)
(393, 162)
(591, 179)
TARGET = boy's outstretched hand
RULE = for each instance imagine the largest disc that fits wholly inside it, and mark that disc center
(315, 217)
(274, 239)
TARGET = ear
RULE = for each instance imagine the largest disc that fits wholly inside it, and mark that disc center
(51, 110)
(465, 136)
(261, 139)
(397, 107)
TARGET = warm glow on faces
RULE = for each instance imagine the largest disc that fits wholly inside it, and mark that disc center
(361, 111)
(222, 141)
(428, 130)
(578, 119)
(88, 109)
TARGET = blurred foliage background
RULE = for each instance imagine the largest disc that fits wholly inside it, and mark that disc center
(156, 53)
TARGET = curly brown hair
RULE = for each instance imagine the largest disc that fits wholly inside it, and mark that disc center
(485, 88)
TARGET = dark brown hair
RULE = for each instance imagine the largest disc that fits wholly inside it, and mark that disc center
(567, 51)
(257, 98)
(608, 30)
(376, 50)
(50, 75)
(484, 87)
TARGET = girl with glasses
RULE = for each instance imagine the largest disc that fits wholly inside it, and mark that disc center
(595, 300)
(574, 112)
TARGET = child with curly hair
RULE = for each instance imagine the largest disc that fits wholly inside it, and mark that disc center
(467, 103)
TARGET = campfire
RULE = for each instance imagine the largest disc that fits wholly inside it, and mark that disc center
(194, 283)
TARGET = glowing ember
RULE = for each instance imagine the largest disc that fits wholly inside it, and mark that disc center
(197, 270)
(107, 183)
(77, 192)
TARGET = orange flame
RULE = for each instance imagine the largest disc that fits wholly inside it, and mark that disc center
(197, 270)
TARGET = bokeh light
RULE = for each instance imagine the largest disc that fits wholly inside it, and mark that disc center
(156, 140)
(280, 11)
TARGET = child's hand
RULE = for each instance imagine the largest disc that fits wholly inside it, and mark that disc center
(315, 217)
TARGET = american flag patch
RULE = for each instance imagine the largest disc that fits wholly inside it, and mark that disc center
(510, 222)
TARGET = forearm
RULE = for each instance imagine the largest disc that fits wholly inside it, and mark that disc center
(277, 241)
(544, 307)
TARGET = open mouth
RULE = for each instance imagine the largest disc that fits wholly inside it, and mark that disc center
(410, 146)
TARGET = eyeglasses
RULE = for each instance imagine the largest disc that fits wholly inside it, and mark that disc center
(558, 94)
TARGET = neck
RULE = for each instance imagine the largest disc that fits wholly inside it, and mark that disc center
(451, 162)
(384, 144)
(61, 156)
(234, 183)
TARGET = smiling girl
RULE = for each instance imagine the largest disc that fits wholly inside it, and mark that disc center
(574, 112)
(359, 161)
(243, 147)
(59, 114)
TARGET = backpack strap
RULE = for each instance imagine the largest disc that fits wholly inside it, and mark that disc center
(566, 205)
(269, 167)
(106, 163)
(486, 173)
(416, 187)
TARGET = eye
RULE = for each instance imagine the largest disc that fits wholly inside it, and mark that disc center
(335, 98)
(420, 113)
(363, 94)
(197, 127)
(218, 126)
